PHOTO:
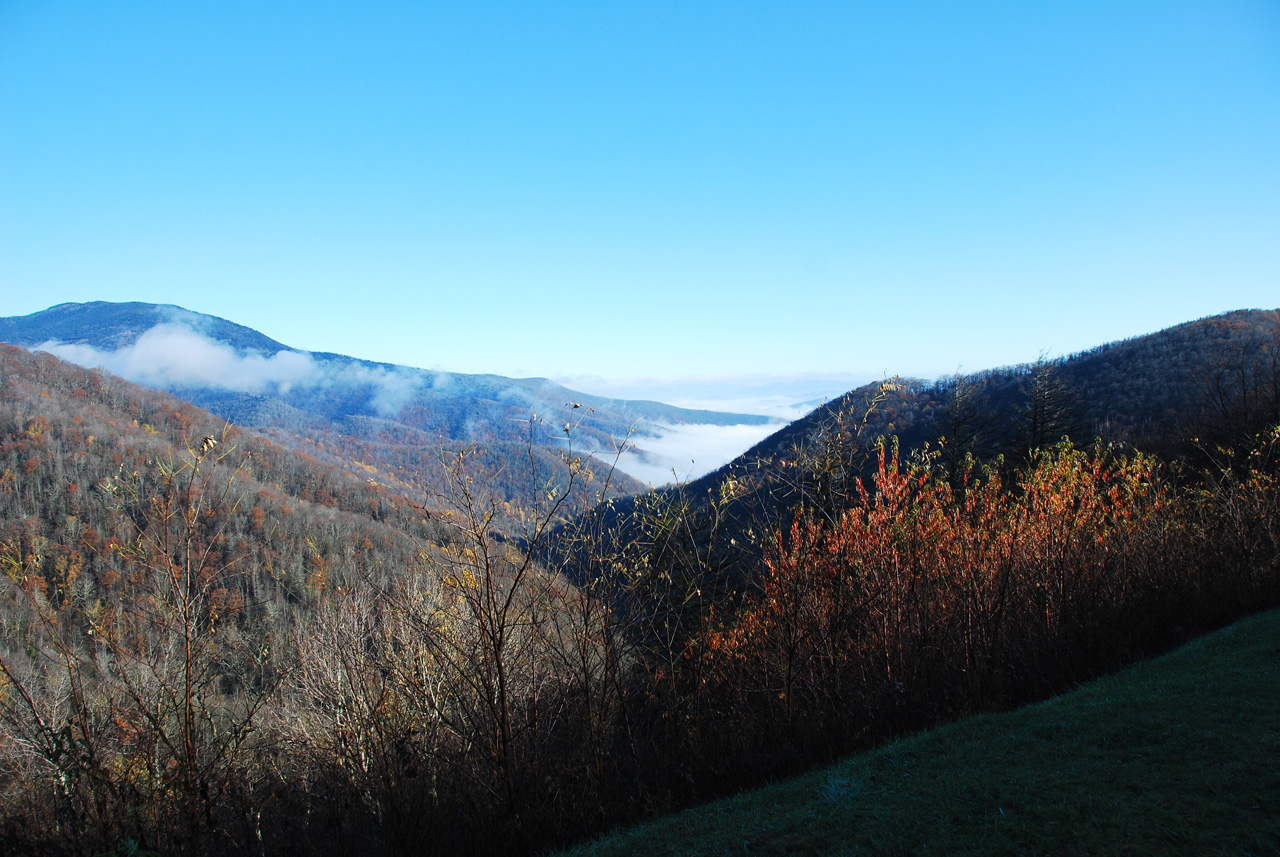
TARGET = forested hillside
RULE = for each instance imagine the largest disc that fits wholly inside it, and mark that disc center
(210, 644)
(195, 623)
(68, 433)
(1176, 393)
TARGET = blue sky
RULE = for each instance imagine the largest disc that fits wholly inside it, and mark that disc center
(648, 189)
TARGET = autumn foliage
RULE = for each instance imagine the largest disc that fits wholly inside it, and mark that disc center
(208, 645)
(922, 601)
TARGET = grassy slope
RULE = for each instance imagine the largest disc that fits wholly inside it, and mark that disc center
(1179, 755)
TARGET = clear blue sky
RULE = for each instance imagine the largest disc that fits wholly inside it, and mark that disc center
(639, 189)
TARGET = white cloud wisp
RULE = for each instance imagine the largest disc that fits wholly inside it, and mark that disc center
(173, 356)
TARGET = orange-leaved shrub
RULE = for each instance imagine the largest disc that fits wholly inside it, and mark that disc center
(923, 600)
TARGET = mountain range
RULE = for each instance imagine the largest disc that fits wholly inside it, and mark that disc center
(343, 409)
(1204, 379)
(321, 661)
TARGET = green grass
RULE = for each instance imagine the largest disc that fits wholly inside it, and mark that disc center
(1178, 755)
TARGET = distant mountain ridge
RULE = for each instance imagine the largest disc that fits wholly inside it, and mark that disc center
(320, 400)
(109, 326)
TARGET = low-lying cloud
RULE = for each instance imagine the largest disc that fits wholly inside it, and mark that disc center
(685, 452)
(172, 356)
(678, 453)
(778, 395)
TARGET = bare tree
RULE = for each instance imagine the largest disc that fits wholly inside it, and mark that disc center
(1049, 407)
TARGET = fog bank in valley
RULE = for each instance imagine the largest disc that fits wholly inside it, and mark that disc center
(679, 453)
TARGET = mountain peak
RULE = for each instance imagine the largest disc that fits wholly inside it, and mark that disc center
(109, 326)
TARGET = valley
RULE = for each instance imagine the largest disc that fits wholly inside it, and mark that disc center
(340, 626)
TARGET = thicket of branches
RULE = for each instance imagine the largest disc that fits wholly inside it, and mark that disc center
(187, 667)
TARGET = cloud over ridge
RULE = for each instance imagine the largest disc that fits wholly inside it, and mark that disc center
(173, 356)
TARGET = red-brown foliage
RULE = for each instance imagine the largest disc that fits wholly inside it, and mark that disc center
(921, 601)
